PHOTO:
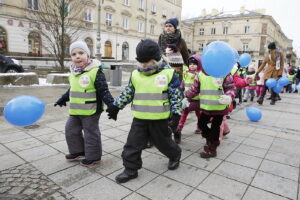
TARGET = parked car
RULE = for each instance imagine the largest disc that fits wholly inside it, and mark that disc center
(8, 65)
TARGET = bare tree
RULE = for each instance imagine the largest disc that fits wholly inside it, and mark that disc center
(59, 22)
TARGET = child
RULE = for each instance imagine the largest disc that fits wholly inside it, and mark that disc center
(216, 94)
(291, 76)
(250, 89)
(260, 84)
(195, 66)
(88, 88)
(154, 92)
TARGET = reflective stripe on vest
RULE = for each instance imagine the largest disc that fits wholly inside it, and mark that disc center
(210, 91)
(83, 98)
(151, 100)
(253, 78)
(189, 79)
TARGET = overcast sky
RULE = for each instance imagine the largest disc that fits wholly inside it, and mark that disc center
(285, 12)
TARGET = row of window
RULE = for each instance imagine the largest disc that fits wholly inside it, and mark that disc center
(245, 46)
(225, 30)
(125, 25)
(33, 5)
(141, 6)
(35, 45)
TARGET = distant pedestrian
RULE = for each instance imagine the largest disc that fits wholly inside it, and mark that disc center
(88, 89)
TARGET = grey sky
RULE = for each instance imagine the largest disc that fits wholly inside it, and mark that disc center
(285, 12)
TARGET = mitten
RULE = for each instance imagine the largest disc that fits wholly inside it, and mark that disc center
(112, 112)
(61, 102)
(225, 100)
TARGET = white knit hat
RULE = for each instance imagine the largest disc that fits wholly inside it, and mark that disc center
(81, 45)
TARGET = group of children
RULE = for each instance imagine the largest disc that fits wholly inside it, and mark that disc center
(156, 95)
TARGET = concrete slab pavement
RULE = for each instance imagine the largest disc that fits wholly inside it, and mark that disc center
(256, 161)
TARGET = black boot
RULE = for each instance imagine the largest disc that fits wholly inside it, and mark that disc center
(260, 100)
(251, 99)
(126, 175)
(149, 144)
(174, 163)
(272, 102)
(75, 156)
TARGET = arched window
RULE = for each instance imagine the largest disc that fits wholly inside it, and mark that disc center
(125, 51)
(3, 41)
(90, 45)
(107, 49)
(34, 44)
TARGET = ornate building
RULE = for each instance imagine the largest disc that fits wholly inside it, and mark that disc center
(123, 24)
(246, 31)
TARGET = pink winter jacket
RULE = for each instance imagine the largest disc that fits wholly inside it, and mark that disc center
(228, 86)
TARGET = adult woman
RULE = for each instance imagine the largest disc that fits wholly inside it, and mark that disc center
(173, 46)
(274, 62)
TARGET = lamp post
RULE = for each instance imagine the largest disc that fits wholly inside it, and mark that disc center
(98, 43)
(117, 43)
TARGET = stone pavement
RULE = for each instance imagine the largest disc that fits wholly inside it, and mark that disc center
(256, 161)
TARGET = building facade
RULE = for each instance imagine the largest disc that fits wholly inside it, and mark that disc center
(123, 24)
(247, 31)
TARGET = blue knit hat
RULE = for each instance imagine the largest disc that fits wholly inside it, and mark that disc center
(173, 21)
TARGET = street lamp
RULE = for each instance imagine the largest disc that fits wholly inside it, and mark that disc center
(117, 43)
(98, 43)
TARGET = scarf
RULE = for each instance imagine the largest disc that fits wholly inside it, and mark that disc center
(92, 63)
(169, 38)
(147, 71)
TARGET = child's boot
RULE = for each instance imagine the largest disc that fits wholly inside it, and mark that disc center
(211, 150)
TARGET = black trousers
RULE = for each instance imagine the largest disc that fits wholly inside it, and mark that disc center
(212, 133)
(140, 133)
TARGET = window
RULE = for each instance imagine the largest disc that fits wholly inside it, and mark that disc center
(108, 20)
(201, 31)
(107, 49)
(213, 31)
(126, 2)
(225, 30)
(201, 46)
(245, 46)
(126, 23)
(164, 12)
(3, 41)
(33, 4)
(152, 28)
(88, 14)
(34, 44)
(153, 8)
(141, 4)
(247, 29)
(125, 51)
(65, 8)
(140, 27)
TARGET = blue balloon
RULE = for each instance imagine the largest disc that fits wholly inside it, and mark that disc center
(271, 82)
(254, 114)
(245, 59)
(24, 110)
(284, 81)
(218, 59)
(236, 55)
(278, 88)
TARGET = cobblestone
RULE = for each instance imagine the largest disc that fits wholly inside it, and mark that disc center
(32, 185)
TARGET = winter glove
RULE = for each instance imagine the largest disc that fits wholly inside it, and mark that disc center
(225, 100)
(249, 80)
(112, 112)
(185, 103)
(61, 102)
(174, 122)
